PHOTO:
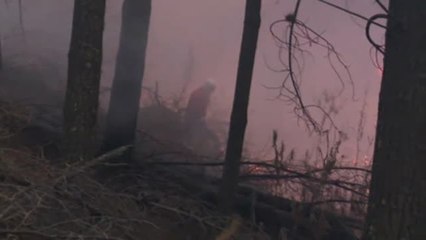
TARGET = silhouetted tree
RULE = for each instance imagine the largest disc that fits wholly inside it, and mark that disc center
(123, 109)
(239, 109)
(397, 204)
(188, 72)
(1, 56)
(84, 71)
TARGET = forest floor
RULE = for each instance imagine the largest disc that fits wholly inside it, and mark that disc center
(41, 199)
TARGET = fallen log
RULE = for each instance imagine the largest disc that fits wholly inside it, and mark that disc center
(277, 215)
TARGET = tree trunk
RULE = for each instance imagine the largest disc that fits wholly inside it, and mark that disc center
(397, 204)
(1, 56)
(84, 71)
(123, 109)
(240, 105)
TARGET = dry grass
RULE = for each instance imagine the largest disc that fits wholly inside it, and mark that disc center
(13, 117)
(42, 201)
(38, 201)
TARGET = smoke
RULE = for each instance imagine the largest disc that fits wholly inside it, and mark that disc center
(191, 41)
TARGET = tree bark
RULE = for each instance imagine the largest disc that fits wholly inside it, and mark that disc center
(1, 56)
(84, 72)
(123, 109)
(397, 204)
(240, 105)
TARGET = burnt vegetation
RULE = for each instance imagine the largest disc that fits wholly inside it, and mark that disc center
(70, 169)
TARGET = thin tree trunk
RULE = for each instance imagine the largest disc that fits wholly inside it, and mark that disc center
(239, 109)
(1, 56)
(397, 204)
(84, 72)
(123, 109)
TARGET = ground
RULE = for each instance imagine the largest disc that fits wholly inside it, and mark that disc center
(41, 199)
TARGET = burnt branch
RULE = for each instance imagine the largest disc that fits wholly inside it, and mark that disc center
(351, 12)
(378, 47)
(382, 6)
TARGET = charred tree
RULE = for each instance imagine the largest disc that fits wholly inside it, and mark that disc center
(1, 56)
(239, 109)
(84, 72)
(123, 109)
(397, 203)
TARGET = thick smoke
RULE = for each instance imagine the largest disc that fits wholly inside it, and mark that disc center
(189, 42)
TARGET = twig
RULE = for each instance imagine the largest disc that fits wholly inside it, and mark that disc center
(39, 235)
(350, 12)
(290, 67)
(367, 31)
(104, 157)
(382, 6)
(261, 164)
(340, 184)
(178, 211)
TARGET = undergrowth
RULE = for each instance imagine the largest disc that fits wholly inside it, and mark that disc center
(39, 200)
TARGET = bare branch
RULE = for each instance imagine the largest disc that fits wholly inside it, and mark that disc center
(367, 31)
(351, 12)
(382, 6)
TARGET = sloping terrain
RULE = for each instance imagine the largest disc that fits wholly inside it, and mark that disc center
(43, 198)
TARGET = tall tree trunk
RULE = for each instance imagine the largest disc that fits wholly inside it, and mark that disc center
(123, 109)
(84, 72)
(397, 204)
(239, 109)
(1, 56)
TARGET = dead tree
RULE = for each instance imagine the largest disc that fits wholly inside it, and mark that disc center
(1, 56)
(123, 109)
(397, 204)
(241, 101)
(84, 72)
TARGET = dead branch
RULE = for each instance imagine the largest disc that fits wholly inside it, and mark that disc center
(298, 30)
(79, 168)
(367, 31)
(382, 6)
(274, 212)
(34, 235)
(351, 12)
